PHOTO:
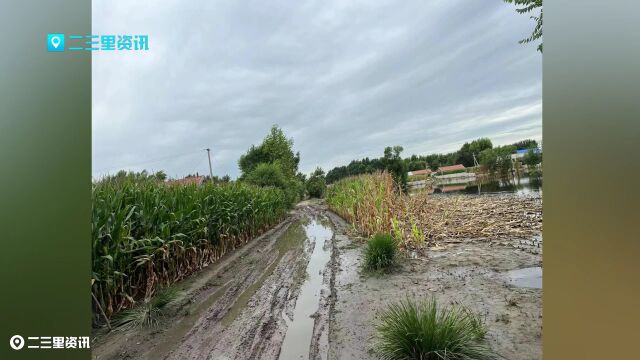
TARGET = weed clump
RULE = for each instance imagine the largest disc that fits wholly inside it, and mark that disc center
(420, 330)
(380, 253)
(148, 313)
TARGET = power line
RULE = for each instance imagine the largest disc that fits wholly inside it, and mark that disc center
(195, 171)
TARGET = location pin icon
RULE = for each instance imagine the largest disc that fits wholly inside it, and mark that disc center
(16, 342)
(55, 41)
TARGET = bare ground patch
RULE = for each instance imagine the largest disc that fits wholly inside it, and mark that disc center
(472, 273)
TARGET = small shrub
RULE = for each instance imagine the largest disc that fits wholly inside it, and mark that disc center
(380, 252)
(420, 330)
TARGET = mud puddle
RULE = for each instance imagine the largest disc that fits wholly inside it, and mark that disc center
(299, 333)
(530, 277)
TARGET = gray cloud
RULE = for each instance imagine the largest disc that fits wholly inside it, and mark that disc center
(344, 79)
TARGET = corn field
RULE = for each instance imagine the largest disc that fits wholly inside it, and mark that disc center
(147, 235)
(366, 201)
(370, 203)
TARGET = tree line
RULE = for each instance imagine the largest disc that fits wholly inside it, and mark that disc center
(273, 163)
(486, 154)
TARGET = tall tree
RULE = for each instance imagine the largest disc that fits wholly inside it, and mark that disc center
(466, 152)
(532, 158)
(316, 185)
(526, 7)
(273, 163)
(394, 164)
(526, 144)
(276, 148)
(498, 158)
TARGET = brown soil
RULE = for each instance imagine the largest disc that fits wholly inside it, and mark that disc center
(471, 273)
(239, 307)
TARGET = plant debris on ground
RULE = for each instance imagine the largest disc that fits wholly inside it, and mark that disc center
(373, 205)
(475, 216)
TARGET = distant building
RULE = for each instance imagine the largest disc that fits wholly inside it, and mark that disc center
(192, 180)
(520, 153)
(426, 172)
(452, 168)
(451, 188)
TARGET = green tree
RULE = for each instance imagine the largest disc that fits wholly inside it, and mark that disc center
(271, 175)
(316, 185)
(275, 148)
(273, 163)
(160, 175)
(266, 174)
(413, 165)
(526, 7)
(466, 152)
(498, 158)
(532, 158)
(249, 161)
(394, 164)
(526, 144)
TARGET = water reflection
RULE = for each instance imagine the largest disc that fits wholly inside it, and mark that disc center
(518, 185)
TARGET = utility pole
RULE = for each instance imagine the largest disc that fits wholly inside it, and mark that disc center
(210, 171)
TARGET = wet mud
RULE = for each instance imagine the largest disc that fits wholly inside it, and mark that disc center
(243, 306)
(494, 279)
(298, 292)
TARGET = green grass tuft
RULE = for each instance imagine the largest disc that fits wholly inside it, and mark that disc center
(380, 253)
(420, 330)
(149, 313)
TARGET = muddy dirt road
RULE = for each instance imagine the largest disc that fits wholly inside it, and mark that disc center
(267, 300)
(297, 292)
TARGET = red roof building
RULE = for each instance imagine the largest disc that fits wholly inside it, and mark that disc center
(446, 169)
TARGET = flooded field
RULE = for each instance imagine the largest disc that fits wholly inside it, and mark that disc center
(298, 292)
(522, 185)
(517, 185)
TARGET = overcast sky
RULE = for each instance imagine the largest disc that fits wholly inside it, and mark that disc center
(343, 78)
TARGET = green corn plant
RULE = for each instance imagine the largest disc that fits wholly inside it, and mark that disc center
(147, 235)
(397, 230)
(417, 233)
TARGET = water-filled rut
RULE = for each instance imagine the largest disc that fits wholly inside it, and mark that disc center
(297, 342)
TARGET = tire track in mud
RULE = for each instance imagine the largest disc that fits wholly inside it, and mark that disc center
(254, 327)
(236, 309)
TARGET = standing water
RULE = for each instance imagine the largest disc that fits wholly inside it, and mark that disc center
(300, 330)
(527, 277)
